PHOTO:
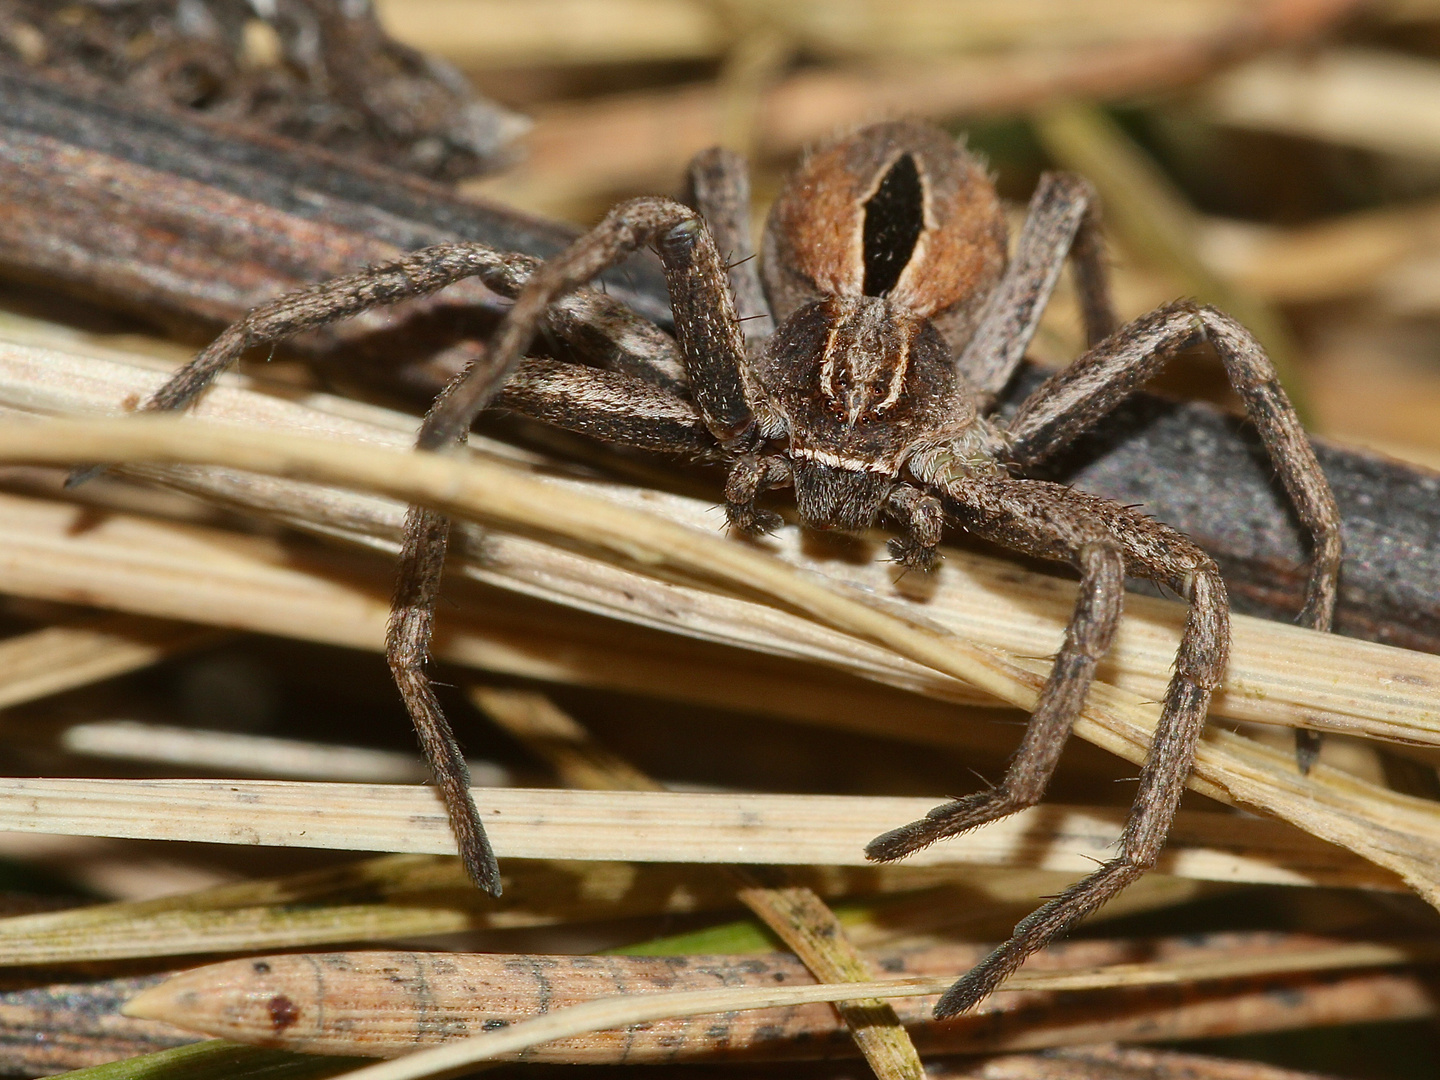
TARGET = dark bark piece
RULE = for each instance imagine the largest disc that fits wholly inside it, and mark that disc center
(153, 211)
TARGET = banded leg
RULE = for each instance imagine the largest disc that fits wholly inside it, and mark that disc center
(705, 321)
(1199, 665)
(1046, 520)
(602, 328)
(612, 406)
(1062, 220)
(1073, 400)
(418, 274)
(1052, 522)
(608, 405)
(720, 190)
(714, 355)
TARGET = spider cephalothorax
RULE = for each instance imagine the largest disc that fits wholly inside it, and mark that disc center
(880, 254)
(899, 322)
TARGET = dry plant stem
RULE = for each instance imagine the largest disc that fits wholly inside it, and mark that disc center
(1228, 766)
(617, 1012)
(786, 830)
(384, 1004)
(157, 568)
(224, 752)
(59, 658)
(795, 913)
(426, 895)
(163, 569)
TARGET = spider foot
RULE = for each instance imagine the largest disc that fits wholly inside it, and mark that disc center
(751, 520)
(977, 984)
(952, 819)
(913, 555)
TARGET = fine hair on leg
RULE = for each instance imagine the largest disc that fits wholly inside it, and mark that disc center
(1020, 512)
(1075, 399)
(1199, 667)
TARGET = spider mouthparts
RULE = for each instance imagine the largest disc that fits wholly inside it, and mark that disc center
(830, 497)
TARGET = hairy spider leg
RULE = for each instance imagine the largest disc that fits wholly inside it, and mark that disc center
(1062, 221)
(1075, 399)
(1104, 540)
(714, 354)
(720, 189)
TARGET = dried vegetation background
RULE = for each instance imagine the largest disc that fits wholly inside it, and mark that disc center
(613, 660)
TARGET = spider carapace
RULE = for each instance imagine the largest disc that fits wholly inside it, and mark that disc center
(862, 371)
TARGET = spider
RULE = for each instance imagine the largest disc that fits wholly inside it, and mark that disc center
(864, 376)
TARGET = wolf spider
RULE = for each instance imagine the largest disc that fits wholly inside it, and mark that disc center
(865, 375)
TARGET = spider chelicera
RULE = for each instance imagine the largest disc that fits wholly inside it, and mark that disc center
(886, 322)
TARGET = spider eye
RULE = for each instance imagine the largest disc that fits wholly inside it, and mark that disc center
(894, 220)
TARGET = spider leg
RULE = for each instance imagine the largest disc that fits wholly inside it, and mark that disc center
(1071, 401)
(613, 406)
(923, 519)
(611, 335)
(1047, 521)
(1053, 521)
(751, 475)
(1062, 219)
(604, 329)
(705, 321)
(418, 274)
(714, 356)
(720, 190)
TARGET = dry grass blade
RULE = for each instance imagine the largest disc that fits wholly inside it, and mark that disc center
(825, 830)
(980, 599)
(192, 933)
(232, 753)
(378, 898)
(1330, 805)
(795, 913)
(618, 1012)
